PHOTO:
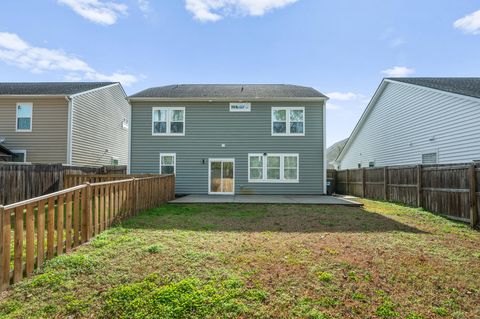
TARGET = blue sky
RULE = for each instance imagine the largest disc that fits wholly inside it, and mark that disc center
(342, 48)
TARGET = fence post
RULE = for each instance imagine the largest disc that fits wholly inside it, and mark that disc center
(347, 188)
(363, 183)
(385, 183)
(136, 196)
(419, 185)
(86, 213)
(473, 196)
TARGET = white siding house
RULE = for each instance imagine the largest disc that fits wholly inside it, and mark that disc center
(417, 120)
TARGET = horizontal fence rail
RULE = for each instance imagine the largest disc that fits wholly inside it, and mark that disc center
(41, 228)
(450, 190)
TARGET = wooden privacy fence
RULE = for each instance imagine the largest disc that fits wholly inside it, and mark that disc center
(19, 182)
(450, 190)
(54, 224)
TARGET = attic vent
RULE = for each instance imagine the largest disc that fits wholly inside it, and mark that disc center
(429, 158)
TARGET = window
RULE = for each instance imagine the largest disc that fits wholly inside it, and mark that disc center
(168, 121)
(168, 163)
(114, 161)
(19, 156)
(429, 158)
(288, 121)
(273, 168)
(359, 165)
(371, 164)
(24, 117)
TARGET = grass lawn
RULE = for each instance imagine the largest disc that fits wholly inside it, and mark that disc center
(263, 261)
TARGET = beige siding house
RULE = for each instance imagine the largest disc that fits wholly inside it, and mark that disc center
(84, 124)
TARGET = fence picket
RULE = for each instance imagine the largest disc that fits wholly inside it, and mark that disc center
(18, 246)
(30, 240)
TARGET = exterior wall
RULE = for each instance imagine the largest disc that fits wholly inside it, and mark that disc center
(408, 121)
(209, 125)
(97, 126)
(47, 142)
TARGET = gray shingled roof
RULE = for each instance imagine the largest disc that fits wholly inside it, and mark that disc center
(463, 86)
(49, 88)
(230, 91)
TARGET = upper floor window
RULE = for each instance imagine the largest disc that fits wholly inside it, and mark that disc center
(168, 121)
(288, 121)
(24, 117)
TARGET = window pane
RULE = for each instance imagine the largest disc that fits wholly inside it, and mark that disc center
(167, 160)
(160, 116)
(279, 127)
(296, 115)
(280, 115)
(256, 161)
(176, 127)
(23, 124)
(177, 115)
(291, 162)
(256, 173)
(296, 127)
(290, 173)
(18, 157)
(273, 173)
(24, 111)
(273, 161)
(168, 169)
(160, 127)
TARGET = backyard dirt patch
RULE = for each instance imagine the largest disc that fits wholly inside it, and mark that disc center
(263, 261)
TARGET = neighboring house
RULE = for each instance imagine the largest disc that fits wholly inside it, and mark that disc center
(83, 124)
(231, 139)
(5, 154)
(415, 121)
(333, 152)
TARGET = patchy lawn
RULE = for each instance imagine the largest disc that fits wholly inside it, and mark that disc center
(263, 261)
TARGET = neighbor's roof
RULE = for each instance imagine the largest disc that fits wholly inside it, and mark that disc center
(463, 86)
(49, 88)
(5, 150)
(230, 91)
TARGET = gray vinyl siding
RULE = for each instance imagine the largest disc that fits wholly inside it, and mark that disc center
(47, 142)
(97, 126)
(403, 121)
(209, 125)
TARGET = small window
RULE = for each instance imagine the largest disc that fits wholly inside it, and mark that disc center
(168, 163)
(429, 158)
(359, 165)
(288, 121)
(24, 117)
(273, 168)
(168, 121)
(371, 164)
(114, 161)
(19, 156)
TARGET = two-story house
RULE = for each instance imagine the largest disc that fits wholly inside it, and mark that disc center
(231, 139)
(73, 123)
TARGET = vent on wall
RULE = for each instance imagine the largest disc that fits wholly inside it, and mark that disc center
(429, 158)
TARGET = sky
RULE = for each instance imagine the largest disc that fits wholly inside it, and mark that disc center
(343, 48)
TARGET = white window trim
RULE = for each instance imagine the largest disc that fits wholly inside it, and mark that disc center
(210, 160)
(169, 109)
(16, 117)
(288, 109)
(282, 179)
(24, 155)
(174, 155)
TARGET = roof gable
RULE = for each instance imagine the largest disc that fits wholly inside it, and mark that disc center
(49, 88)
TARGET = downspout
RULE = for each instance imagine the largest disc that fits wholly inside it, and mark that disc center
(70, 129)
(325, 147)
(129, 159)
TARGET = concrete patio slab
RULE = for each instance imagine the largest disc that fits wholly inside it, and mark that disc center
(266, 199)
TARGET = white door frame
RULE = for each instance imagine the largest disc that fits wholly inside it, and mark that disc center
(210, 160)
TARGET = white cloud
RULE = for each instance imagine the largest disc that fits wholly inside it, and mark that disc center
(343, 96)
(333, 107)
(214, 10)
(15, 51)
(98, 11)
(398, 71)
(470, 23)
